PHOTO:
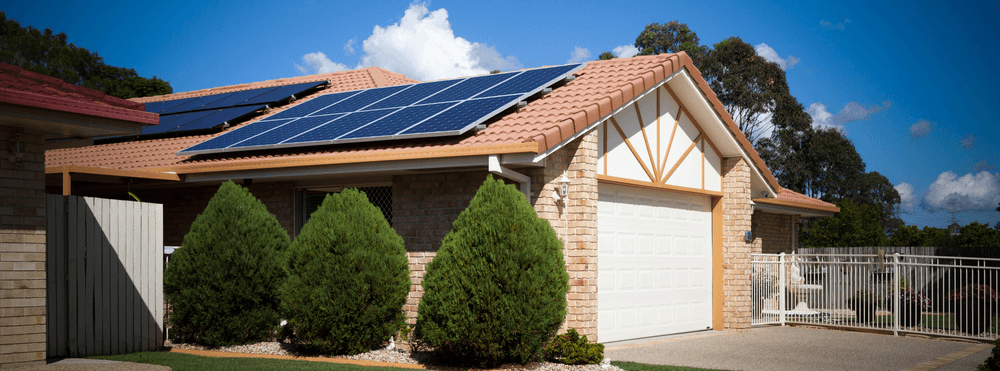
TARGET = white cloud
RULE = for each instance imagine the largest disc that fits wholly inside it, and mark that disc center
(319, 63)
(831, 26)
(922, 128)
(983, 166)
(768, 53)
(973, 191)
(349, 47)
(823, 118)
(968, 142)
(851, 112)
(625, 51)
(908, 198)
(578, 55)
(423, 46)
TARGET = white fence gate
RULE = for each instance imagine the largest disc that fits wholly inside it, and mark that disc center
(104, 283)
(945, 296)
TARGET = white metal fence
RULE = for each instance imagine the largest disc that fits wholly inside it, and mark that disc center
(937, 295)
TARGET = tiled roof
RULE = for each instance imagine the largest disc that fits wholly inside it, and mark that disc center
(26, 88)
(788, 197)
(600, 88)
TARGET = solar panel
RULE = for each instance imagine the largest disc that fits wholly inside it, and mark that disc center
(438, 108)
(197, 113)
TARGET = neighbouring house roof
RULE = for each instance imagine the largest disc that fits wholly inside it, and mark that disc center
(599, 89)
(791, 202)
(29, 89)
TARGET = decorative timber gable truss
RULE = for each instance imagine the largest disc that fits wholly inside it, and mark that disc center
(656, 142)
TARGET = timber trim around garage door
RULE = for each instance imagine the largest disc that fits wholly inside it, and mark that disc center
(659, 262)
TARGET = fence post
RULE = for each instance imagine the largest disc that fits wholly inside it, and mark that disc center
(781, 285)
(895, 294)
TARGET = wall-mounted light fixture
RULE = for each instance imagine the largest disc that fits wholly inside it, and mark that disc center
(16, 149)
(562, 193)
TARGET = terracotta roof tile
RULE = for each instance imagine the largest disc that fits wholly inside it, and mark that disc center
(792, 196)
(26, 88)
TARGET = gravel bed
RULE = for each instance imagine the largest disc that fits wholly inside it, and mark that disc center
(384, 355)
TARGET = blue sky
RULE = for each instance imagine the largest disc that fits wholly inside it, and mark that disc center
(912, 86)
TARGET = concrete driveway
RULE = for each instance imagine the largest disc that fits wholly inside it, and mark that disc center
(797, 348)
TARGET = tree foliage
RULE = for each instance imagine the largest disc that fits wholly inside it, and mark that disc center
(496, 292)
(222, 283)
(606, 56)
(855, 225)
(348, 277)
(49, 54)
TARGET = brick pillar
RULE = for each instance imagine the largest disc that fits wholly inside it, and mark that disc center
(22, 251)
(575, 221)
(736, 252)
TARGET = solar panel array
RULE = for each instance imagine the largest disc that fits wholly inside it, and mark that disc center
(199, 113)
(431, 109)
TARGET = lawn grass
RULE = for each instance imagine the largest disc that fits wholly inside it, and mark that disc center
(632, 366)
(186, 362)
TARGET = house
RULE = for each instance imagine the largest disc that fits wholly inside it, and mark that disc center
(39, 112)
(662, 187)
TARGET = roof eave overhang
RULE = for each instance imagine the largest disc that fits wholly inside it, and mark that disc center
(776, 206)
(59, 125)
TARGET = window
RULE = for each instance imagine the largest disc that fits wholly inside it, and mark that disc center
(308, 200)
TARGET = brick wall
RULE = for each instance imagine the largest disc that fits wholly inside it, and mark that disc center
(774, 231)
(182, 205)
(736, 220)
(22, 252)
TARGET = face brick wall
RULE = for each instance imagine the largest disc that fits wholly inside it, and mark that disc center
(736, 252)
(22, 251)
(774, 231)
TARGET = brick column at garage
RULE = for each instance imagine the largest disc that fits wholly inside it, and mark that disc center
(575, 221)
(22, 252)
(736, 252)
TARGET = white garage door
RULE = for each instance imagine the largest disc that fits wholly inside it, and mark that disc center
(655, 263)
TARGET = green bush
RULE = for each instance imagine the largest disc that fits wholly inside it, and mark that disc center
(348, 277)
(571, 349)
(222, 283)
(496, 292)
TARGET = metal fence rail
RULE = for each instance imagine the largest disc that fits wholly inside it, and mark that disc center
(936, 295)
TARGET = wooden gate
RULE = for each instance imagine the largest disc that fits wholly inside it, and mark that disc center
(104, 281)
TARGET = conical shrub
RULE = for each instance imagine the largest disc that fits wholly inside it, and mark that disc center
(348, 277)
(222, 284)
(496, 292)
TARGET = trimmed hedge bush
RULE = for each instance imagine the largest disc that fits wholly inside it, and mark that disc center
(348, 277)
(222, 283)
(496, 292)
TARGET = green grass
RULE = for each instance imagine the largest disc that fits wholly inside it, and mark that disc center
(184, 362)
(631, 366)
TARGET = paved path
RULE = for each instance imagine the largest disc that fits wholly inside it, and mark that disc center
(85, 364)
(797, 348)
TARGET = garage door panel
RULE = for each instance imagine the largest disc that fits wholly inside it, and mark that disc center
(654, 263)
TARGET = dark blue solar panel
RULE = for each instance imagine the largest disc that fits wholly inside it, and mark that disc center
(151, 106)
(528, 81)
(288, 130)
(283, 92)
(237, 135)
(462, 116)
(313, 105)
(170, 104)
(237, 98)
(413, 94)
(362, 99)
(169, 122)
(218, 117)
(396, 122)
(468, 88)
(193, 104)
(335, 129)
